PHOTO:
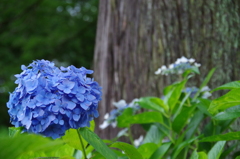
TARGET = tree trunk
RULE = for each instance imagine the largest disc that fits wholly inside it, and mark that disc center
(136, 37)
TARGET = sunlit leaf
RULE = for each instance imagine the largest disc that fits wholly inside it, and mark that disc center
(71, 137)
(172, 97)
(226, 101)
(147, 149)
(153, 103)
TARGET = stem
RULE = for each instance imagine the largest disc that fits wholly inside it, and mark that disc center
(81, 142)
(130, 135)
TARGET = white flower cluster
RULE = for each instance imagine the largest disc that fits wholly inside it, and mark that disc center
(178, 67)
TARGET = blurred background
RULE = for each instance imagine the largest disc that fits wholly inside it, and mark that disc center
(57, 30)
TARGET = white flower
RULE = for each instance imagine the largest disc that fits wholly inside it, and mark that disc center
(171, 66)
(206, 95)
(132, 104)
(163, 67)
(104, 125)
(120, 104)
(197, 64)
(191, 60)
(106, 116)
(138, 141)
(178, 61)
(205, 88)
(158, 71)
(183, 59)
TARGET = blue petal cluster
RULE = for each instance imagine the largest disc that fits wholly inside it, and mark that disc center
(50, 100)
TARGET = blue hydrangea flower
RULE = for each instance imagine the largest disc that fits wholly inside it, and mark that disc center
(50, 100)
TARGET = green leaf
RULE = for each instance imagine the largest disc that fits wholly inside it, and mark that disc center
(97, 143)
(172, 97)
(182, 145)
(216, 151)
(15, 147)
(229, 150)
(153, 103)
(67, 157)
(128, 149)
(203, 105)
(194, 123)
(127, 119)
(205, 82)
(154, 135)
(147, 149)
(72, 139)
(181, 105)
(181, 120)
(202, 155)
(226, 115)
(222, 137)
(159, 153)
(231, 85)
(194, 155)
(226, 101)
(193, 69)
(13, 131)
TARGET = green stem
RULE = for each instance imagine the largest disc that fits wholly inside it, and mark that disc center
(130, 135)
(81, 142)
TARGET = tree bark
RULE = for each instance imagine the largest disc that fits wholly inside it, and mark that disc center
(136, 37)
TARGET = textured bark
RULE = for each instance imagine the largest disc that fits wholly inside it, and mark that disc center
(136, 37)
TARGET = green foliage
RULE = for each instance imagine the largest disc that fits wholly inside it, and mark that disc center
(226, 101)
(71, 136)
(216, 150)
(129, 150)
(153, 103)
(127, 118)
(97, 143)
(179, 126)
(29, 146)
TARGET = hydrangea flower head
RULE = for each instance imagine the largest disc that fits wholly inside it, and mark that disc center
(181, 64)
(50, 100)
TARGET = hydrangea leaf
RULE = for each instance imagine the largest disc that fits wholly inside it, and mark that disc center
(230, 85)
(153, 103)
(127, 118)
(226, 101)
(216, 150)
(159, 153)
(128, 149)
(222, 137)
(72, 139)
(97, 143)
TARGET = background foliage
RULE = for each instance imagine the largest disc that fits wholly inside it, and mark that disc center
(59, 30)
